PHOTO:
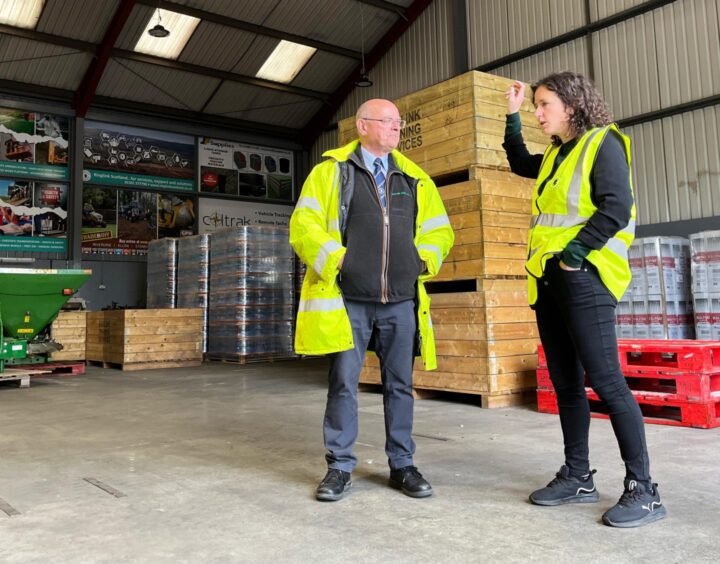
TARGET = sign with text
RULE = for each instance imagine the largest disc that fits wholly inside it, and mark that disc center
(133, 157)
(214, 214)
(236, 169)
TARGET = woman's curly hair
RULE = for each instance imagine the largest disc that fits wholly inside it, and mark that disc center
(579, 93)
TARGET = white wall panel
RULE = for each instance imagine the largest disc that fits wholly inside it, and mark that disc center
(692, 152)
(688, 43)
(535, 21)
(570, 56)
(649, 174)
(488, 33)
(421, 57)
(626, 66)
(600, 9)
(328, 140)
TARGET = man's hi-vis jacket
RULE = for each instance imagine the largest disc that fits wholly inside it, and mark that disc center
(316, 233)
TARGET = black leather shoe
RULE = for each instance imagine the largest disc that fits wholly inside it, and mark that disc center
(410, 482)
(334, 485)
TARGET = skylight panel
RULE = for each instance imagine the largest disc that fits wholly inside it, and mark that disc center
(285, 62)
(21, 13)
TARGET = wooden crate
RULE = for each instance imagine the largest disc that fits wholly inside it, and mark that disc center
(145, 338)
(486, 342)
(490, 214)
(458, 123)
(70, 330)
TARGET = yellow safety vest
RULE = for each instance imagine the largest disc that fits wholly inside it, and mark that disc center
(323, 325)
(565, 206)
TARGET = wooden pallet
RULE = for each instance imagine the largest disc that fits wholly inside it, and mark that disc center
(21, 375)
(248, 359)
(486, 400)
(146, 365)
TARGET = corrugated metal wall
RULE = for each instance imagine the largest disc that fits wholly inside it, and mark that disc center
(421, 57)
(666, 57)
(571, 56)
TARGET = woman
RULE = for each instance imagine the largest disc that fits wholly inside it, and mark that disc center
(583, 224)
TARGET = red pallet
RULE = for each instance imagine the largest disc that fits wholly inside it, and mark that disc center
(682, 386)
(62, 368)
(659, 355)
(702, 415)
(542, 359)
(649, 355)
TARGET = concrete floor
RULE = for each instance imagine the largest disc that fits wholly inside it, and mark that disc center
(220, 463)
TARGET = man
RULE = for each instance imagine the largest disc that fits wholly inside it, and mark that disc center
(372, 228)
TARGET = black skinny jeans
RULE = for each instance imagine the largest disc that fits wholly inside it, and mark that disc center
(576, 319)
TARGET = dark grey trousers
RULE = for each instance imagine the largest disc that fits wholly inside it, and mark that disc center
(394, 327)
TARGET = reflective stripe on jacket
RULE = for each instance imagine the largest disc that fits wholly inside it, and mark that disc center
(565, 206)
(323, 325)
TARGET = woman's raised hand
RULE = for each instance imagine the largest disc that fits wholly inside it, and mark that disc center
(515, 96)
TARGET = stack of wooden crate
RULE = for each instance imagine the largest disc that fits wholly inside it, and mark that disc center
(69, 329)
(485, 332)
(137, 339)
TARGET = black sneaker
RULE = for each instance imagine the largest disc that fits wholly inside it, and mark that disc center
(410, 482)
(639, 505)
(333, 486)
(565, 488)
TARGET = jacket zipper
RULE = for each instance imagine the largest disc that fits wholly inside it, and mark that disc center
(386, 235)
(386, 241)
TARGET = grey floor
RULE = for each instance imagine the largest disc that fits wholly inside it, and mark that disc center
(219, 464)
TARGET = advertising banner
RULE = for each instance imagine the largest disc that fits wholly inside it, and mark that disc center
(176, 215)
(217, 214)
(33, 216)
(124, 156)
(245, 170)
(33, 145)
(122, 222)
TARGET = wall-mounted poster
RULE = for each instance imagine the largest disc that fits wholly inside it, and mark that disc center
(123, 222)
(33, 216)
(99, 220)
(214, 214)
(175, 215)
(245, 170)
(33, 144)
(119, 155)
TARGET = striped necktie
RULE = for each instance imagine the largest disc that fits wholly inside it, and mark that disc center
(380, 181)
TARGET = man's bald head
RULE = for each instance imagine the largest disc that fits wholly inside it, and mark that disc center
(378, 125)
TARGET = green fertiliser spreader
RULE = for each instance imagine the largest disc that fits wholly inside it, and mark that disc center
(30, 299)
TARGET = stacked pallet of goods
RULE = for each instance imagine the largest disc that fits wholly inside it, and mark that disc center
(250, 315)
(162, 273)
(193, 276)
(705, 249)
(485, 332)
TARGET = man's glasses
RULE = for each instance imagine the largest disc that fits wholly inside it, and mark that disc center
(387, 122)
